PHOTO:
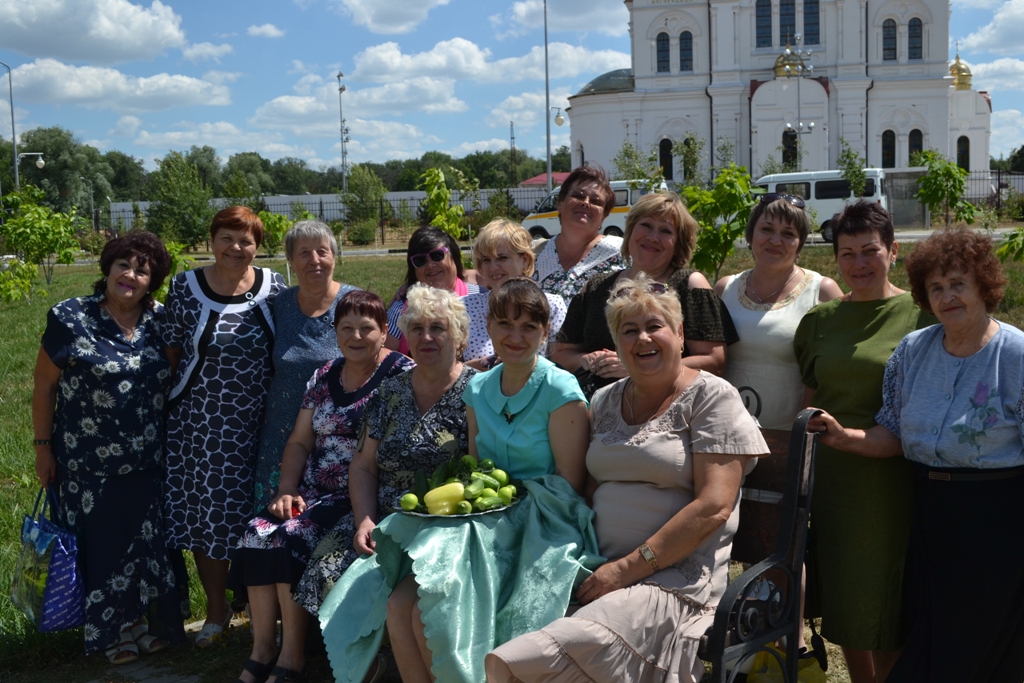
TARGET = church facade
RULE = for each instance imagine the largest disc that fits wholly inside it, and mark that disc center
(877, 76)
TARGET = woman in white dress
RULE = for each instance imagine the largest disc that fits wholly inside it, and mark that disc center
(767, 303)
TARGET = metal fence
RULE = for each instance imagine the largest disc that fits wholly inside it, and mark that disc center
(994, 187)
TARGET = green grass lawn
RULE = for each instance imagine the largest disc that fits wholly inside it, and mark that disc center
(28, 656)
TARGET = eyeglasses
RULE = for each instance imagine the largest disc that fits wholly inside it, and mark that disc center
(653, 287)
(435, 255)
(581, 196)
(793, 199)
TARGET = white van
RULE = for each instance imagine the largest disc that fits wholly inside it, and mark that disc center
(543, 222)
(826, 191)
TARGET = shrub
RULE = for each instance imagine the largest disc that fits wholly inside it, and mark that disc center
(91, 241)
(361, 232)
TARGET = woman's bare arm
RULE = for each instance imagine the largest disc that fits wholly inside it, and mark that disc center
(44, 402)
(569, 433)
(293, 462)
(363, 475)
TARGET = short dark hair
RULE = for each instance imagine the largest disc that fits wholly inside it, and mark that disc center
(147, 249)
(516, 296)
(425, 239)
(780, 210)
(591, 173)
(861, 217)
(362, 302)
(238, 218)
(958, 249)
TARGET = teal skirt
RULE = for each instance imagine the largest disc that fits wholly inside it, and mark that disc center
(483, 580)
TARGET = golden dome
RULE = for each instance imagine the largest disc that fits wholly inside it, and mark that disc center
(790, 59)
(961, 74)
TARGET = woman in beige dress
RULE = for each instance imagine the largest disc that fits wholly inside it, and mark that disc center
(670, 446)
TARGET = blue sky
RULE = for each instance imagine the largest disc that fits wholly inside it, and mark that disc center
(421, 75)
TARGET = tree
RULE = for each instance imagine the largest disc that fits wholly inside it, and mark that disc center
(438, 203)
(644, 171)
(851, 168)
(237, 192)
(1016, 159)
(942, 187)
(722, 212)
(291, 175)
(561, 160)
(38, 235)
(364, 196)
(67, 162)
(256, 169)
(128, 178)
(181, 207)
(274, 227)
(690, 151)
(208, 165)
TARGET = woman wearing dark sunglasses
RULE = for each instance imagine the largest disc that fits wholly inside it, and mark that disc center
(435, 260)
(580, 251)
(766, 304)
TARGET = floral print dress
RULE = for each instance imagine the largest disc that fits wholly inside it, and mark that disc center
(108, 435)
(275, 551)
(409, 441)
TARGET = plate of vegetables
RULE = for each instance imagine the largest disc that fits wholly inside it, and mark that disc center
(461, 487)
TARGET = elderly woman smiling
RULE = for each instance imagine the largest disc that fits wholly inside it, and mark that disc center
(953, 405)
(669, 448)
(304, 341)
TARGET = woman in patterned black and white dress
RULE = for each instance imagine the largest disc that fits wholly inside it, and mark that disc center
(219, 334)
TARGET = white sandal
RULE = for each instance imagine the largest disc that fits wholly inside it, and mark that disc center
(147, 643)
(125, 646)
(210, 633)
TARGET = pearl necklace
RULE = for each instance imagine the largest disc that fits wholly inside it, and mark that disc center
(760, 300)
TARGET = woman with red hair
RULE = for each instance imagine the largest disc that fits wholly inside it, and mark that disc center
(219, 333)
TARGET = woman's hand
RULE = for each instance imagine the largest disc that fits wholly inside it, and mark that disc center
(609, 577)
(831, 433)
(362, 540)
(46, 466)
(604, 363)
(877, 442)
(287, 505)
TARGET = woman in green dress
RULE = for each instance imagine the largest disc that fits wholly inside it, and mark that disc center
(861, 507)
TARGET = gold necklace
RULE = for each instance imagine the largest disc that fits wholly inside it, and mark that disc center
(753, 294)
(629, 404)
(128, 332)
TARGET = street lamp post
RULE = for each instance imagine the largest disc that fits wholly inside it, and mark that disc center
(14, 138)
(801, 73)
(92, 209)
(344, 137)
(547, 93)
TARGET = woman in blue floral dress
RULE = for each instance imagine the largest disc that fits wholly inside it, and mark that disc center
(101, 380)
(312, 495)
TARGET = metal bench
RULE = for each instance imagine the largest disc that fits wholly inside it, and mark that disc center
(772, 538)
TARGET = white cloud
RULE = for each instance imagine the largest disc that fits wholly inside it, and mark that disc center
(1007, 132)
(307, 83)
(19, 120)
(300, 67)
(1002, 35)
(223, 135)
(603, 16)
(975, 4)
(48, 81)
(1004, 73)
(200, 52)
(460, 58)
(492, 145)
(525, 109)
(388, 16)
(98, 144)
(265, 31)
(220, 77)
(126, 126)
(98, 31)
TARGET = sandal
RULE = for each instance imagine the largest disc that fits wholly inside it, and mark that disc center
(283, 675)
(125, 652)
(382, 669)
(147, 643)
(260, 671)
(210, 633)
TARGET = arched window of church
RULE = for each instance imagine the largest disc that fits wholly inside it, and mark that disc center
(812, 23)
(763, 16)
(583, 158)
(787, 21)
(686, 51)
(916, 142)
(663, 64)
(790, 150)
(665, 158)
(915, 39)
(889, 40)
(963, 153)
(888, 149)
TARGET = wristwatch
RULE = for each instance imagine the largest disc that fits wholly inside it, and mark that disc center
(648, 554)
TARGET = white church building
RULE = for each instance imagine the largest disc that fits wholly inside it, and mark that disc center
(881, 80)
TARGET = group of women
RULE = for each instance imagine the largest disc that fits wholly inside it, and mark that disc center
(277, 428)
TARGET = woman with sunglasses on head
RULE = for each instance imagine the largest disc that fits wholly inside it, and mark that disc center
(861, 507)
(660, 238)
(565, 263)
(436, 261)
(767, 303)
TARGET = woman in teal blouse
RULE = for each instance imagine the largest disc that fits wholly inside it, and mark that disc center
(473, 583)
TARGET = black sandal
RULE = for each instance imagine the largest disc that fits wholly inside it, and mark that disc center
(260, 671)
(283, 675)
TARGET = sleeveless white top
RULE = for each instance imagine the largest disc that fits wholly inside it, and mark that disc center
(763, 358)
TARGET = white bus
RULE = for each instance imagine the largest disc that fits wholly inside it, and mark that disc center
(543, 222)
(826, 191)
